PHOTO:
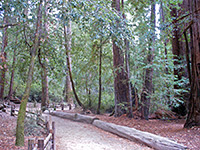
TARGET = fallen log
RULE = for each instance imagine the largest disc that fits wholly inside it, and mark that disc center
(64, 115)
(152, 140)
(84, 118)
(75, 117)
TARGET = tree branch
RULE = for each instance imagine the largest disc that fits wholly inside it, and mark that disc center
(9, 25)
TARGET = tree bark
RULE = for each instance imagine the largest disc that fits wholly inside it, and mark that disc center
(176, 49)
(12, 75)
(22, 111)
(128, 84)
(100, 84)
(120, 78)
(148, 85)
(193, 118)
(44, 69)
(3, 59)
(44, 80)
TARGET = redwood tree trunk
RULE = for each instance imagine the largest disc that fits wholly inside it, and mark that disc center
(120, 78)
(176, 48)
(3, 57)
(148, 85)
(193, 118)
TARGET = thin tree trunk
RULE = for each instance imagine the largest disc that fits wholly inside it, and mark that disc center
(67, 35)
(68, 84)
(148, 85)
(162, 16)
(88, 91)
(43, 101)
(100, 84)
(44, 71)
(12, 75)
(22, 110)
(129, 100)
(130, 104)
(187, 56)
(46, 86)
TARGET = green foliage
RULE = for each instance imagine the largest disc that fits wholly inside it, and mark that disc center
(93, 21)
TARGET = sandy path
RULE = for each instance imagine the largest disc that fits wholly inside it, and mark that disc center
(79, 136)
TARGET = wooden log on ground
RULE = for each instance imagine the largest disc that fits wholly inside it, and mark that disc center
(152, 140)
(75, 117)
(85, 119)
(64, 115)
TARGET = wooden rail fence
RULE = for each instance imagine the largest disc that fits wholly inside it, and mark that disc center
(44, 144)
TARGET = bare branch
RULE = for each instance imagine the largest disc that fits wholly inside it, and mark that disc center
(9, 25)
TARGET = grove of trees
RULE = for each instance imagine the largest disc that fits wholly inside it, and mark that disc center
(114, 56)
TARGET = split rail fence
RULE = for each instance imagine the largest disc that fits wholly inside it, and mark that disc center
(47, 143)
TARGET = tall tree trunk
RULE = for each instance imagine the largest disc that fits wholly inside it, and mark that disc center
(148, 85)
(162, 22)
(88, 90)
(67, 35)
(176, 48)
(68, 88)
(22, 110)
(3, 59)
(128, 84)
(44, 80)
(120, 78)
(44, 71)
(193, 118)
(68, 83)
(100, 84)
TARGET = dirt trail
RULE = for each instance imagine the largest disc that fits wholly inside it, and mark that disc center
(79, 136)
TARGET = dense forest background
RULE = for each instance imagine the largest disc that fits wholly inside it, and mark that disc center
(102, 55)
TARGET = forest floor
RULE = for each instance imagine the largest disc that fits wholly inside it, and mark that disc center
(173, 129)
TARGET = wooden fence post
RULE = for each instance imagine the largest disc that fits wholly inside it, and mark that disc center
(41, 144)
(47, 124)
(62, 106)
(12, 111)
(53, 136)
(30, 143)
